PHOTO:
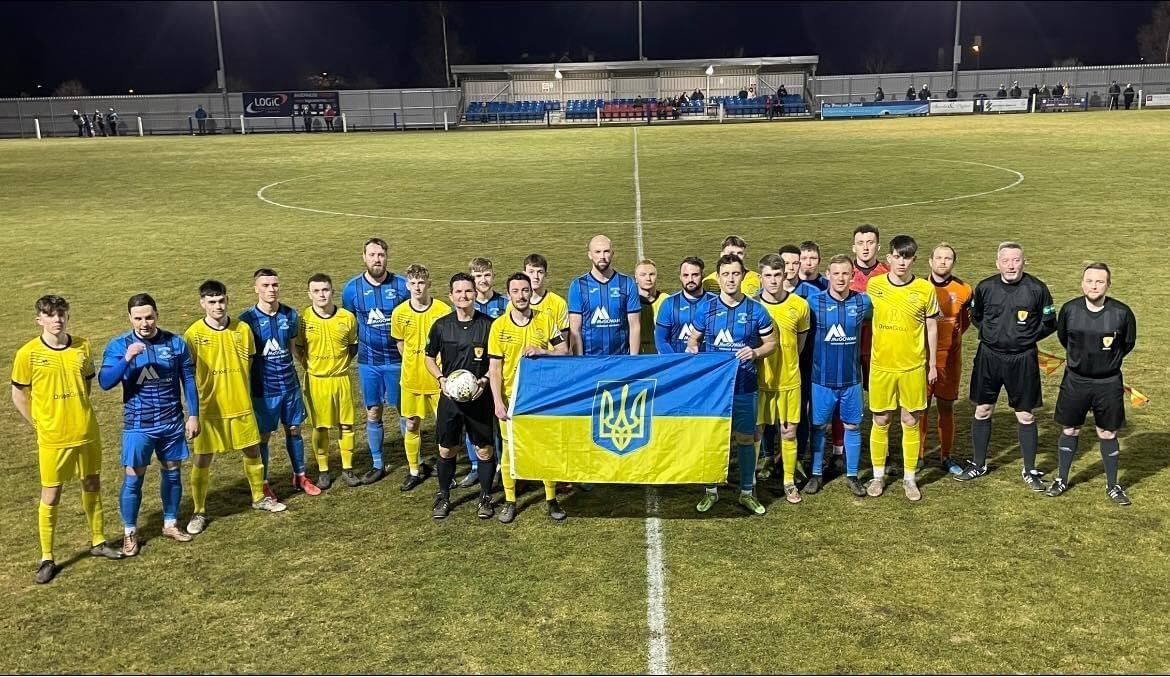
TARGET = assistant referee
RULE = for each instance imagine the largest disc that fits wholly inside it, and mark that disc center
(1097, 332)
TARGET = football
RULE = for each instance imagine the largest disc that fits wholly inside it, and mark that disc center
(462, 386)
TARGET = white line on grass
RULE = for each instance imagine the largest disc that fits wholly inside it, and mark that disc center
(656, 663)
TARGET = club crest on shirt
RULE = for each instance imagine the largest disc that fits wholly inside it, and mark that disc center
(913, 297)
(478, 352)
(1106, 342)
(164, 352)
(615, 292)
(1021, 316)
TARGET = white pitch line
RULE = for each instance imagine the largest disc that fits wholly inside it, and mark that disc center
(657, 654)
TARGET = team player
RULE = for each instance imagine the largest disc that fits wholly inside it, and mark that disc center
(223, 350)
(156, 372)
(51, 377)
(410, 327)
(543, 299)
(790, 274)
(734, 245)
(790, 255)
(1097, 333)
(681, 311)
(487, 300)
(838, 315)
(276, 389)
(604, 310)
(1013, 311)
(866, 245)
(456, 341)
(736, 324)
(905, 344)
(372, 298)
(327, 339)
(779, 380)
(810, 270)
(523, 332)
(810, 282)
(646, 277)
(954, 304)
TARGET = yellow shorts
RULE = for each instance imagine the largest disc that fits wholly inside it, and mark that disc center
(221, 435)
(61, 465)
(416, 405)
(889, 390)
(778, 406)
(329, 401)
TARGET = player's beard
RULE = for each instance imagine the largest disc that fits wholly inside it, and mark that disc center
(376, 272)
(601, 266)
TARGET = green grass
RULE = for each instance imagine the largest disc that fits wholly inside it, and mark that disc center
(979, 578)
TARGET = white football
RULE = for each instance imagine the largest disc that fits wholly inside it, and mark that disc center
(462, 386)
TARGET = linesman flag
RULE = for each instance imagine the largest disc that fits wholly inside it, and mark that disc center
(1136, 398)
(653, 419)
(1050, 363)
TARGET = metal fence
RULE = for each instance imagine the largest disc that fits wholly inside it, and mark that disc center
(374, 109)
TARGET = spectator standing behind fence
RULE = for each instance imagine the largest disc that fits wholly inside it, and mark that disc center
(201, 119)
(307, 119)
(80, 125)
(952, 94)
(697, 94)
(101, 125)
(1045, 93)
(742, 94)
(1015, 91)
(1128, 96)
(89, 124)
(879, 95)
(329, 115)
(1114, 95)
(924, 93)
(1033, 94)
(910, 94)
(1001, 93)
(112, 119)
(1058, 91)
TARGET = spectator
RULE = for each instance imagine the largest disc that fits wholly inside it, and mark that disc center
(924, 93)
(1128, 96)
(751, 91)
(1033, 94)
(879, 95)
(1114, 95)
(1015, 90)
(307, 119)
(1045, 93)
(697, 95)
(742, 94)
(1001, 93)
(101, 125)
(769, 107)
(910, 95)
(88, 124)
(783, 91)
(112, 119)
(682, 99)
(1058, 91)
(329, 115)
(952, 94)
(77, 121)
(201, 118)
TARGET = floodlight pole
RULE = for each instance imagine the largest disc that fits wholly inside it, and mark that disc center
(958, 47)
(222, 73)
(640, 53)
(446, 59)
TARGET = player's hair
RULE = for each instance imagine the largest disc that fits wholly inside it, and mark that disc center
(841, 258)
(460, 277)
(946, 245)
(732, 241)
(810, 246)
(646, 262)
(518, 276)
(1099, 265)
(789, 249)
(479, 265)
(264, 272)
(321, 277)
(867, 228)
(536, 261)
(212, 288)
(904, 246)
(1009, 244)
(727, 260)
(51, 304)
(417, 271)
(773, 261)
(141, 300)
(693, 261)
(378, 241)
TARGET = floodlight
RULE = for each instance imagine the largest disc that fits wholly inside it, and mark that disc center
(710, 70)
(558, 75)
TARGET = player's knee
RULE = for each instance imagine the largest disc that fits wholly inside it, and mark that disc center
(203, 460)
(132, 471)
(374, 413)
(910, 418)
(1106, 434)
(1071, 432)
(788, 432)
(292, 431)
(170, 465)
(446, 453)
(1025, 417)
(91, 483)
(882, 419)
(484, 453)
(265, 437)
(413, 424)
(346, 429)
(850, 426)
(742, 438)
(946, 405)
(252, 452)
(984, 411)
(51, 495)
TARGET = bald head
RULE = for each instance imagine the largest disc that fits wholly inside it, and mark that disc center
(601, 253)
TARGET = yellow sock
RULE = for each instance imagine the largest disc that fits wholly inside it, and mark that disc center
(47, 523)
(879, 448)
(788, 454)
(911, 444)
(413, 444)
(345, 444)
(550, 491)
(509, 481)
(200, 478)
(321, 448)
(254, 471)
(91, 502)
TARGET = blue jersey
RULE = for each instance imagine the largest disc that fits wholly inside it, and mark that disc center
(604, 308)
(836, 338)
(728, 328)
(154, 383)
(806, 288)
(273, 371)
(677, 317)
(373, 304)
(494, 307)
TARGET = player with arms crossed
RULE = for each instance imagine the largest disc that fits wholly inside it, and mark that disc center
(954, 303)
(682, 310)
(604, 307)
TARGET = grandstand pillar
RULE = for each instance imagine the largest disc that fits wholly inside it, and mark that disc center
(139, 125)
(598, 111)
(243, 131)
(446, 128)
(37, 126)
(344, 125)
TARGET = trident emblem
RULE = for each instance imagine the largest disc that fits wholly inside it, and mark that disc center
(620, 421)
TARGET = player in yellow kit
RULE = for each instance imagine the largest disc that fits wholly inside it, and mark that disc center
(222, 348)
(735, 245)
(326, 345)
(646, 277)
(51, 377)
(546, 301)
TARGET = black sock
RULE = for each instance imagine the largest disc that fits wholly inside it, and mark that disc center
(487, 473)
(1066, 449)
(446, 474)
(980, 438)
(1029, 436)
(1110, 457)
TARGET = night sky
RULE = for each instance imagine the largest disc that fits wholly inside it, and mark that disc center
(162, 47)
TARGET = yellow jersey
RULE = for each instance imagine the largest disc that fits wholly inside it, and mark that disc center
(792, 317)
(413, 327)
(223, 359)
(553, 305)
(327, 342)
(751, 285)
(647, 318)
(507, 341)
(899, 322)
(58, 383)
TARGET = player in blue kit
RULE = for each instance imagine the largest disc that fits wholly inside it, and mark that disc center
(838, 316)
(604, 307)
(682, 310)
(736, 324)
(276, 389)
(156, 372)
(372, 297)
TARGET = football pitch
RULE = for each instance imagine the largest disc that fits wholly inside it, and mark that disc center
(979, 577)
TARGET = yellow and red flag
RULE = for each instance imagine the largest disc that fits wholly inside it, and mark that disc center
(1049, 362)
(1136, 398)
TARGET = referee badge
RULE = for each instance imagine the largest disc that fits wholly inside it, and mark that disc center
(479, 352)
(1106, 342)
(1021, 316)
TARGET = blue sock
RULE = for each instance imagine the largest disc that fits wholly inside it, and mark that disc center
(264, 457)
(296, 453)
(818, 449)
(171, 491)
(747, 466)
(768, 443)
(374, 433)
(130, 500)
(471, 454)
(852, 451)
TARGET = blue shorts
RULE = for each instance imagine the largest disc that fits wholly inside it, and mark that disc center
(743, 413)
(168, 443)
(272, 412)
(380, 384)
(826, 400)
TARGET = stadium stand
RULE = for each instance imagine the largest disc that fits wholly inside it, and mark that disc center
(508, 111)
(577, 110)
(793, 104)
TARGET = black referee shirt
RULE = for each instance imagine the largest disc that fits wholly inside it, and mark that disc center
(1095, 343)
(1013, 317)
(460, 345)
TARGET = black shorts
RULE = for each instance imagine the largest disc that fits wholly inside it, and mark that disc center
(1079, 395)
(1017, 373)
(476, 419)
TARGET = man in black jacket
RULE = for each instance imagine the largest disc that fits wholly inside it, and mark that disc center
(1114, 95)
(1014, 92)
(1001, 93)
(1128, 94)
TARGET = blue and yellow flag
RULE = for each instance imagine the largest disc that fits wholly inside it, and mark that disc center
(654, 419)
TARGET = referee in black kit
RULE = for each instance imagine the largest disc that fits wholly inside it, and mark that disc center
(1013, 311)
(1097, 332)
(459, 340)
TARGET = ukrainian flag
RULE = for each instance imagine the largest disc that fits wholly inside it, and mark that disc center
(653, 419)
